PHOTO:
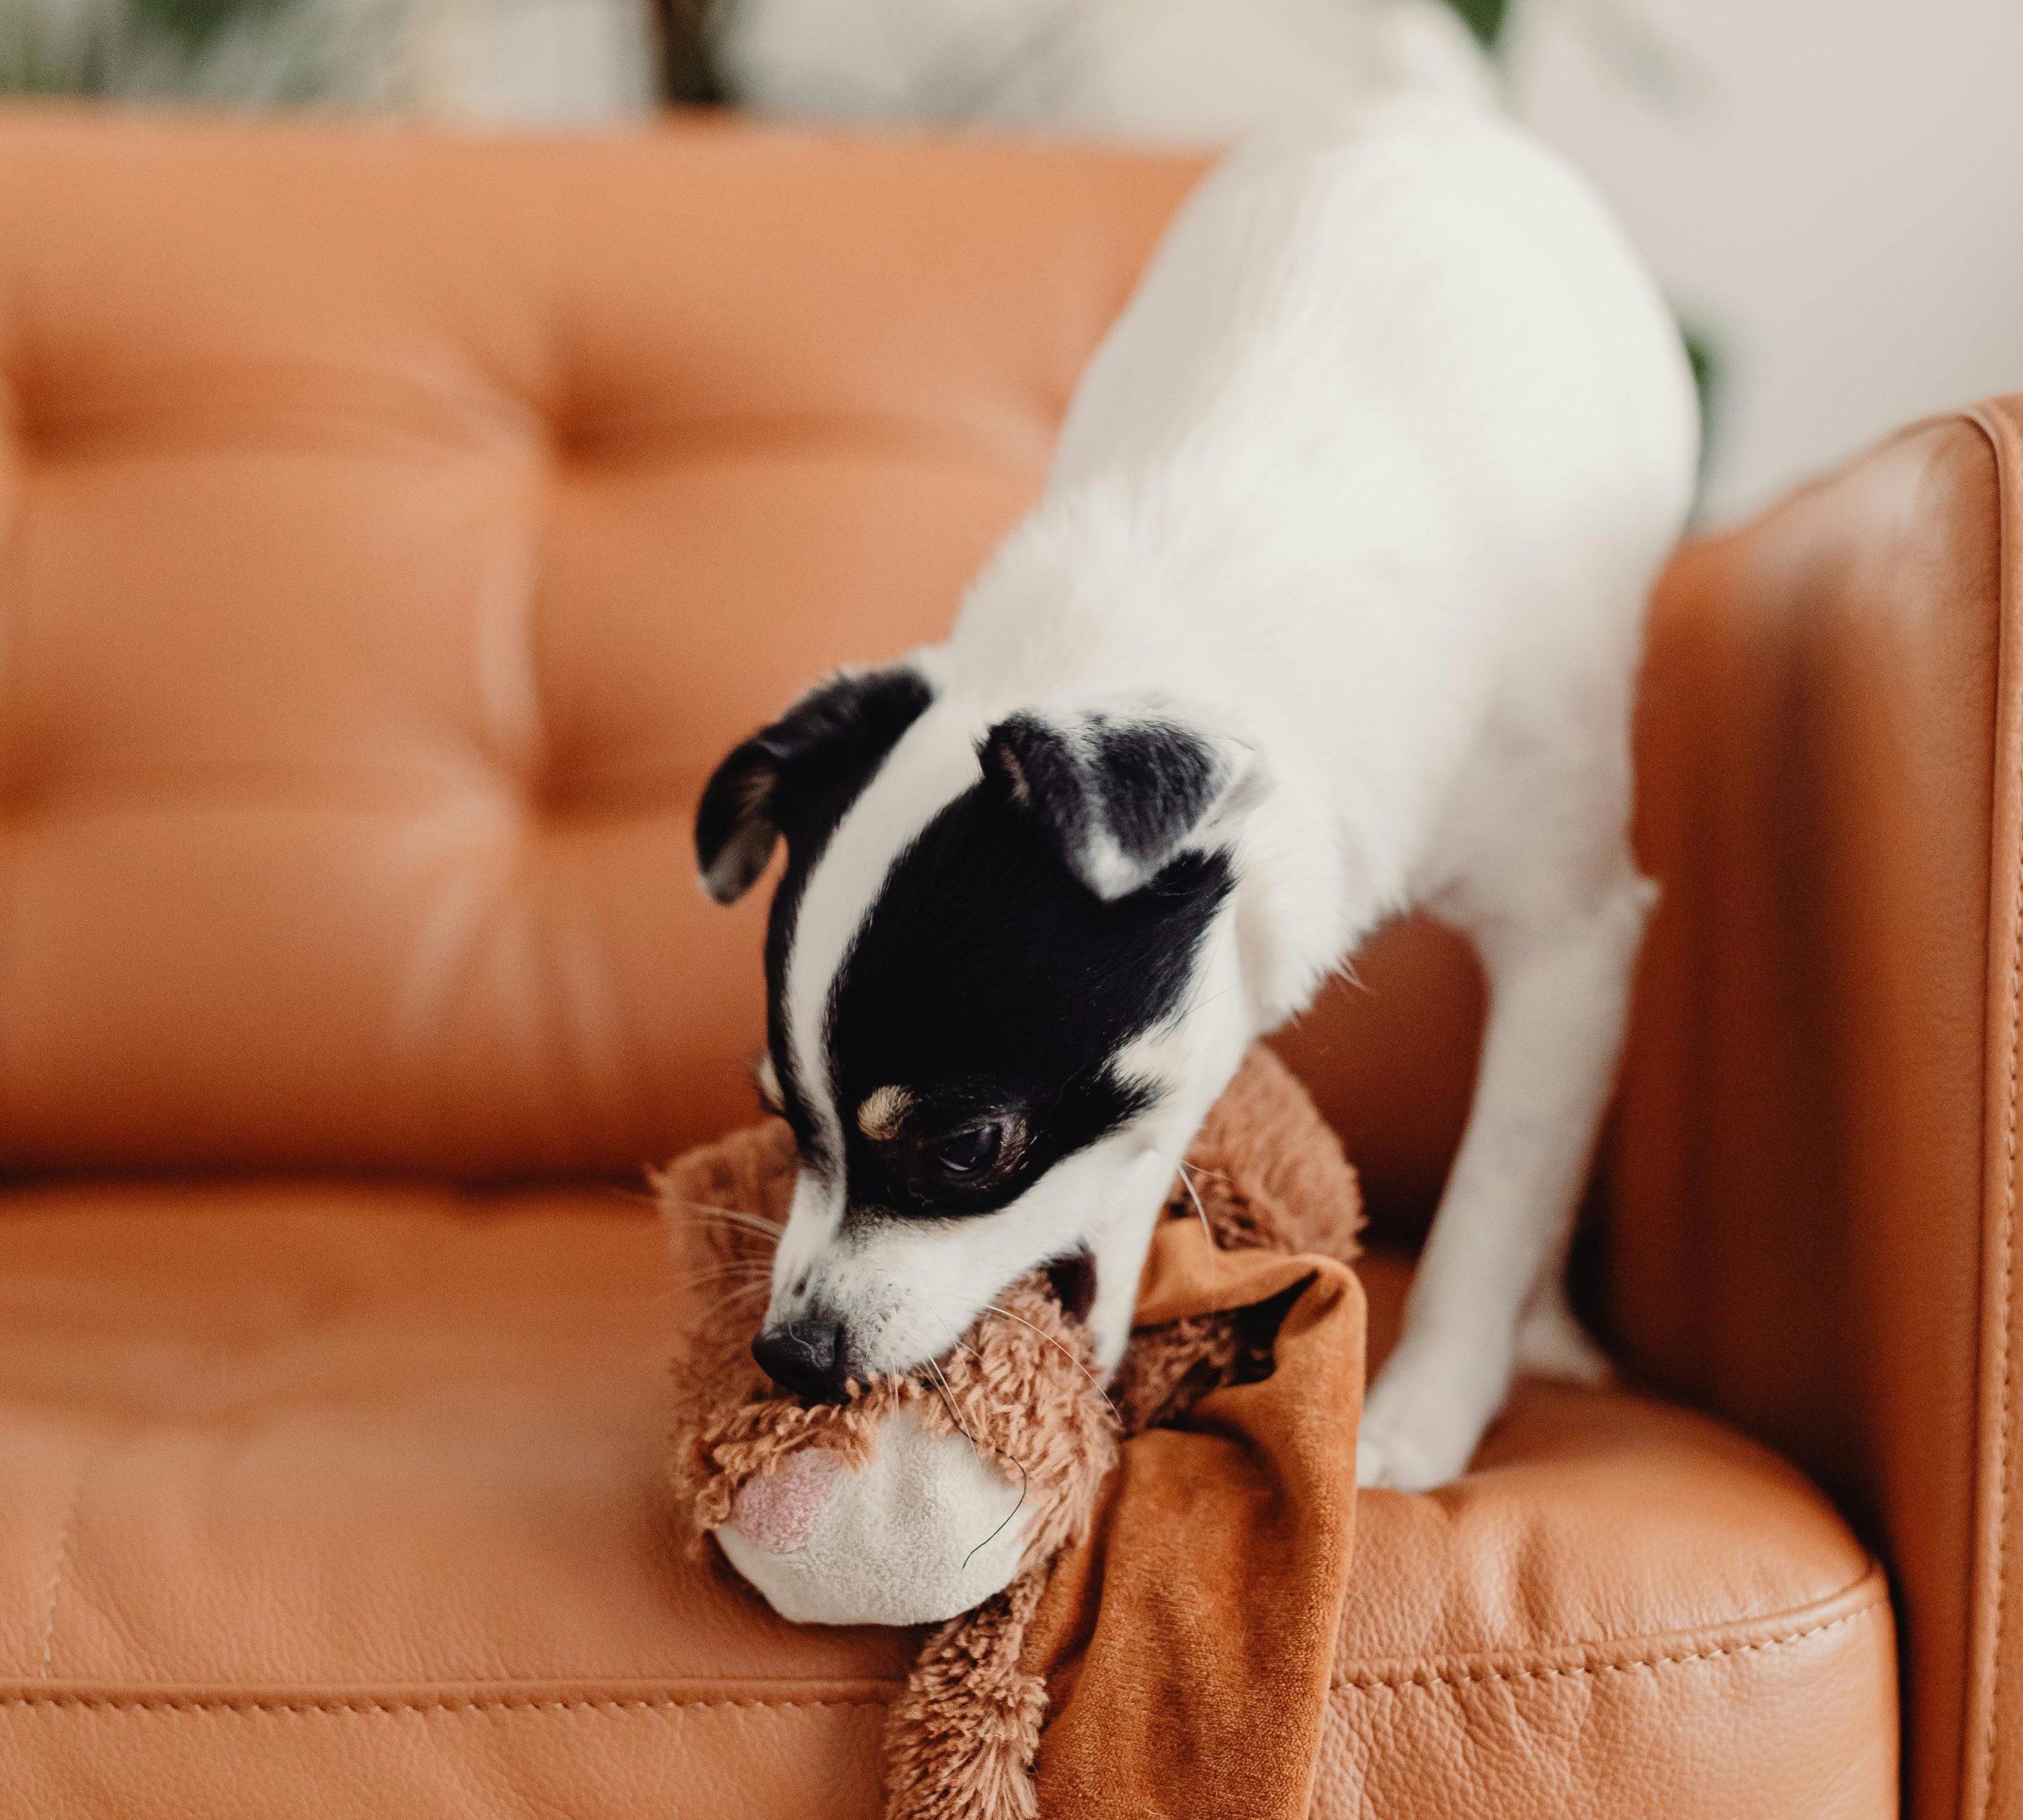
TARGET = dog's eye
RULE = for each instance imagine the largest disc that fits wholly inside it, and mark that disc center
(964, 1155)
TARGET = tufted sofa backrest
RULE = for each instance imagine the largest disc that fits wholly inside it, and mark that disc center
(399, 529)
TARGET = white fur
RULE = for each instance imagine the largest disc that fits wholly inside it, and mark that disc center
(1372, 479)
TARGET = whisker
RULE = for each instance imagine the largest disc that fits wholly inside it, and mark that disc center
(1194, 1005)
(736, 1296)
(1025, 1478)
(743, 1215)
(956, 1338)
(745, 1284)
(1025, 1481)
(731, 1216)
(1187, 1181)
(948, 1397)
(754, 1273)
(999, 1308)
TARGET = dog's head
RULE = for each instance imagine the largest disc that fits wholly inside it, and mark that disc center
(1002, 991)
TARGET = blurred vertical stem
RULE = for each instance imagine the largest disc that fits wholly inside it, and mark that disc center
(688, 72)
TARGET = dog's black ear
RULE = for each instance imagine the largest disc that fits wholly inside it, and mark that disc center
(1119, 793)
(796, 777)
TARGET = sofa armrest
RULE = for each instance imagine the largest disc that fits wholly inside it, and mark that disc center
(1815, 1179)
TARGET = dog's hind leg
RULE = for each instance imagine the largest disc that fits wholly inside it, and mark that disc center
(1559, 988)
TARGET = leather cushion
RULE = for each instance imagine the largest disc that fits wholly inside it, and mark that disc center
(399, 531)
(1808, 1195)
(401, 528)
(331, 1500)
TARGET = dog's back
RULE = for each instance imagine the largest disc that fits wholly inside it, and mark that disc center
(1380, 461)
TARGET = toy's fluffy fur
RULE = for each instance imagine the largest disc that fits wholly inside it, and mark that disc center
(1331, 607)
(1264, 1172)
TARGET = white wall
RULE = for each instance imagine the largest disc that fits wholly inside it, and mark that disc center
(1835, 192)
(1838, 194)
(528, 63)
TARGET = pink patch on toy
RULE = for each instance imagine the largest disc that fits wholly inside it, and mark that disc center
(776, 1513)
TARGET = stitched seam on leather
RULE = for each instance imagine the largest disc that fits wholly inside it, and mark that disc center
(1981, 1789)
(2006, 1274)
(393, 1709)
(1632, 1665)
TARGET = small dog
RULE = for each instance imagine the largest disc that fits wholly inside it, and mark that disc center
(1331, 607)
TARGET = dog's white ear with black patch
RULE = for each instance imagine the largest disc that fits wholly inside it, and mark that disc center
(1121, 792)
(796, 777)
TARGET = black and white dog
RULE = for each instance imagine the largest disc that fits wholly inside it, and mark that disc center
(1331, 607)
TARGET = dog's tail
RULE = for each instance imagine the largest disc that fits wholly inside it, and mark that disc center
(1423, 45)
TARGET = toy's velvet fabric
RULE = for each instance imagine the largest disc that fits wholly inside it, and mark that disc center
(1187, 1643)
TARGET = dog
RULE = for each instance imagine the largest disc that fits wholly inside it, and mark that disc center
(1331, 607)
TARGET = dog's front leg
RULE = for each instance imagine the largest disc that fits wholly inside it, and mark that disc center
(1558, 997)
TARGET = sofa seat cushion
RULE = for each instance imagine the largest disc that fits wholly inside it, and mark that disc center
(346, 1499)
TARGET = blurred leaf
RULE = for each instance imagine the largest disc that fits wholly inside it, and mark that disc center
(1700, 354)
(46, 52)
(1703, 355)
(195, 23)
(1486, 18)
(225, 53)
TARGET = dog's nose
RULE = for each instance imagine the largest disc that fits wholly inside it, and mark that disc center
(805, 1357)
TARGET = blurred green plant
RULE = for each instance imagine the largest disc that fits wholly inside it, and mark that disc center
(249, 52)
(1486, 18)
(197, 23)
(1703, 354)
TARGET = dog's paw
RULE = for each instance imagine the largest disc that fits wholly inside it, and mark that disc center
(1417, 1432)
(1425, 1414)
(1551, 1342)
(1392, 1463)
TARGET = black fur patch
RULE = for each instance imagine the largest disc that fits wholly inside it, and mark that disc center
(989, 982)
(1142, 784)
(798, 778)
(1155, 782)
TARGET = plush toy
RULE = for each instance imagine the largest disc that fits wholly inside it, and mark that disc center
(944, 1497)
(916, 1498)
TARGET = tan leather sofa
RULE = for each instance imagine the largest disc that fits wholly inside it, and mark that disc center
(396, 532)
